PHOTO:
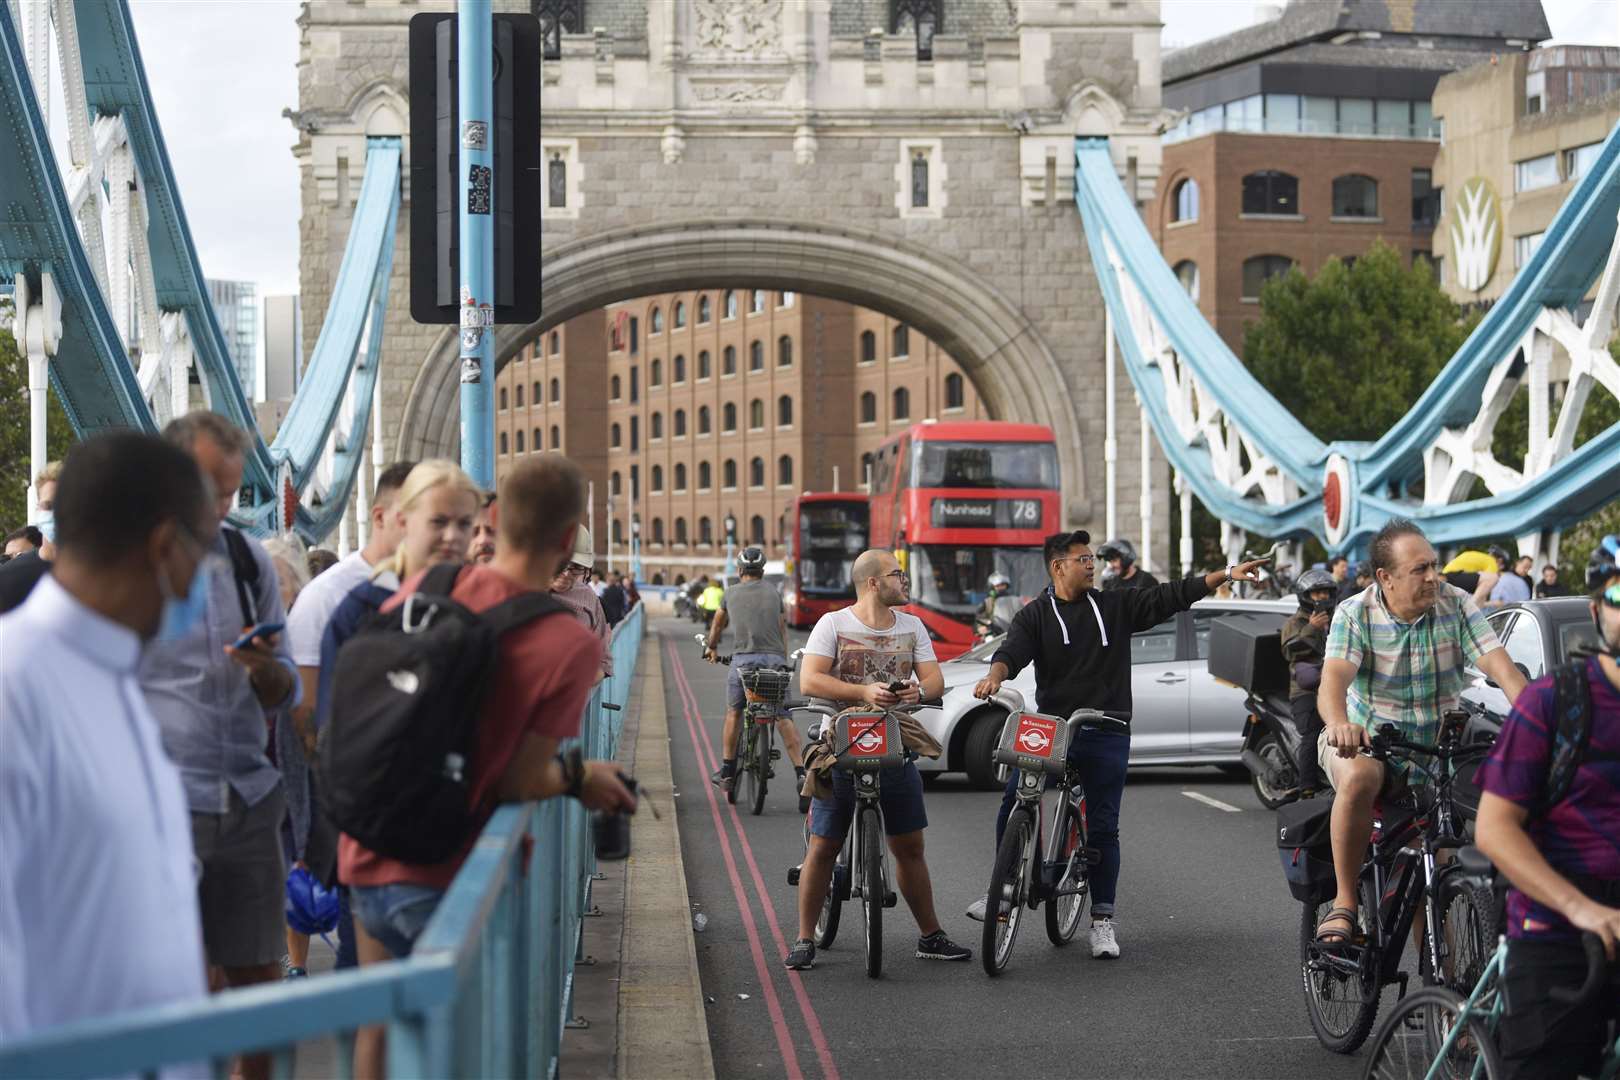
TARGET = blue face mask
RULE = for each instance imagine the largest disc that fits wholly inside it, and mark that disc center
(45, 522)
(180, 615)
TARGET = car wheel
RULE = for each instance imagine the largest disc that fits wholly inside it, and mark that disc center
(981, 743)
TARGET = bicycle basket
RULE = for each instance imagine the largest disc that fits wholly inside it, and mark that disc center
(867, 741)
(765, 685)
(1035, 742)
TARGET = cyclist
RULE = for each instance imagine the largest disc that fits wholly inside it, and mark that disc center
(753, 609)
(999, 585)
(1396, 653)
(853, 656)
(1563, 858)
(709, 599)
(1080, 642)
(1476, 572)
(1304, 644)
(1122, 572)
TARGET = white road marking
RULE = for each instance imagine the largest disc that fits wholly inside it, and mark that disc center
(1207, 801)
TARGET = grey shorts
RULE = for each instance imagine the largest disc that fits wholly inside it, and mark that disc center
(242, 892)
(1328, 758)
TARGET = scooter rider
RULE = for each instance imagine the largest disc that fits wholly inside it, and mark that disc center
(999, 585)
(1122, 572)
(1304, 646)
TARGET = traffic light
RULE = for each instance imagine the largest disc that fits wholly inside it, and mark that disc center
(435, 155)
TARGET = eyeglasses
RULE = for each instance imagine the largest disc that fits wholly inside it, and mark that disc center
(1611, 595)
(898, 574)
(1083, 560)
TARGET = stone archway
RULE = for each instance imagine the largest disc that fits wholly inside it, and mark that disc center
(1014, 370)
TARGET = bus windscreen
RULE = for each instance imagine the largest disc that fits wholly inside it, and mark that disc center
(830, 537)
(942, 464)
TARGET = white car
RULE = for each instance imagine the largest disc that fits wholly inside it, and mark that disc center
(1180, 714)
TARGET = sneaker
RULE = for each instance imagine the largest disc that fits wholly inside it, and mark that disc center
(720, 780)
(803, 956)
(937, 946)
(294, 973)
(1103, 944)
(976, 909)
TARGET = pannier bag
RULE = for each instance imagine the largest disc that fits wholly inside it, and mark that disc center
(1305, 846)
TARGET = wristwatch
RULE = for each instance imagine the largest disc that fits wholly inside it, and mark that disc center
(573, 770)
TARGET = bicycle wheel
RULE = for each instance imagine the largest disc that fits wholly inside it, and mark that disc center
(1063, 911)
(873, 888)
(1001, 930)
(1342, 1002)
(833, 906)
(1468, 931)
(759, 740)
(740, 757)
(1412, 1035)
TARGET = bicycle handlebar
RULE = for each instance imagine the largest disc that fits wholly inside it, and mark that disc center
(1596, 962)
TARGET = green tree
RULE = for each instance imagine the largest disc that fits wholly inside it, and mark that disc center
(14, 461)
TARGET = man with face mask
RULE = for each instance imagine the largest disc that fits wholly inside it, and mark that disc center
(98, 902)
(1559, 853)
(210, 699)
(20, 574)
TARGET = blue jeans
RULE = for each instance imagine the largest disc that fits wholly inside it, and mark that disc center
(1101, 757)
(395, 914)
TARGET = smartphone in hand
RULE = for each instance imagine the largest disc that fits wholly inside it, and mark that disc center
(263, 630)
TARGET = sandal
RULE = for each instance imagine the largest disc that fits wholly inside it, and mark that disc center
(1332, 936)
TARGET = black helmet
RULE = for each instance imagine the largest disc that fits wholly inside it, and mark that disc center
(1604, 563)
(1311, 581)
(1500, 554)
(751, 560)
(1122, 550)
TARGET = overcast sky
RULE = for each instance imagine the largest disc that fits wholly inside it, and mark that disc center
(221, 71)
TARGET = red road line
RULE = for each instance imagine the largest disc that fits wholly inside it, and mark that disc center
(784, 1038)
(817, 1038)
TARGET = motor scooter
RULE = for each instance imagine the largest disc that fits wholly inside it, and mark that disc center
(1271, 749)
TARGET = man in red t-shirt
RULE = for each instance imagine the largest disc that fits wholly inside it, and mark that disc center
(547, 670)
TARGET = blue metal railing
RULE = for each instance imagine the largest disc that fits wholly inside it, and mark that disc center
(485, 993)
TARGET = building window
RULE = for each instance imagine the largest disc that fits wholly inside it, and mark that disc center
(680, 314)
(756, 530)
(635, 437)
(728, 474)
(655, 373)
(1425, 199)
(919, 178)
(902, 404)
(1525, 248)
(618, 530)
(866, 471)
(869, 408)
(657, 487)
(1270, 192)
(655, 322)
(756, 302)
(503, 399)
(615, 437)
(519, 437)
(728, 418)
(784, 411)
(1187, 274)
(616, 485)
(503, 443)
(705, 476)
(756, 473)
(1578, 161)
(556, 391)
(703, 364)
(731, 304)
(1355, 196)
(728, 361)
(705, 531)
(1536, 172)
(901, 343)
(557, 181)
(922, 19)
(614, 388)
(538, 444)
(954, 396)
(556, 343)
(680, 476)
(658, 530)
(635, 335)
(703, 310)
(1184, 204)
(635, 483)
(680, 530)
(556, 438)
(655, 426)
(1258, 269)
(536, 397)
(635, 384)
(680, 370)
(784, 351)
(703, 419)
(784, 470)
(557, 17)
(756, 414)
(680, 423)
(1535, 92)
(756, 356)
(786, 299)
(868, 347)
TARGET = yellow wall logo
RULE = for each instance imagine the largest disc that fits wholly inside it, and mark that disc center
(1476, 233)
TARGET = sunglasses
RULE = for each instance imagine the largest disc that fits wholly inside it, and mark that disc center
(1611, 595)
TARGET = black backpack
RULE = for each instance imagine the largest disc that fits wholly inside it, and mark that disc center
(395, 762)
(1572, 701)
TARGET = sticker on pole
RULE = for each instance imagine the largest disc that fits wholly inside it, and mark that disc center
(472, 369)
(477, 316)
(471, 339)
(478, 191)
(475, 135)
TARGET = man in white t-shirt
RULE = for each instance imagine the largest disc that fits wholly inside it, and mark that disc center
(853, 657)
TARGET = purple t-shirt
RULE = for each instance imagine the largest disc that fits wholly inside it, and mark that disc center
(1580, 835)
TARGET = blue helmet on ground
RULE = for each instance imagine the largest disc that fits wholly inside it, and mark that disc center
(312, 908)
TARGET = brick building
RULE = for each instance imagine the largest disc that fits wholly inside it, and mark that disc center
(687, 408)
(1311, 137)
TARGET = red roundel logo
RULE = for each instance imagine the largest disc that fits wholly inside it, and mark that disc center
(1035, 735)
(872, 739)
(1034, 740)
(1332, 500)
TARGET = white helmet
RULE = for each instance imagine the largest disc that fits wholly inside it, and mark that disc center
(998, 578)
(584, 549)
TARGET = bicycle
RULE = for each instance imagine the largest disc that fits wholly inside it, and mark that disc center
(1456, 1036)
(865, 741)
(1028, 871)
(1343, 981)
(764, 689)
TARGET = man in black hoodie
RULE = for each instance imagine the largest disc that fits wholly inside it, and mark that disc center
(1080, 642)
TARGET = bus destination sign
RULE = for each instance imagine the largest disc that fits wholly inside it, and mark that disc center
(986, 514)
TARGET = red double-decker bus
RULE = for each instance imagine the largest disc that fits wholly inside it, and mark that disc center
(823, 532)
(958, 502)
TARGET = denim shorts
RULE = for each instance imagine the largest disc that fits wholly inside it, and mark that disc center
(735, 698)
(395, 914)
(900, 795)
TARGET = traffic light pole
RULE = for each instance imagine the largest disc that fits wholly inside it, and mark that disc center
(477, 240)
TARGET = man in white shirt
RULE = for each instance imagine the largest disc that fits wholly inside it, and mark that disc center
(853, 657)
(98, 896)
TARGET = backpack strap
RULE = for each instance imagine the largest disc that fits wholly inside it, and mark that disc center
(513, 613)
(1572, 736)
(245, 569)
(440, 579)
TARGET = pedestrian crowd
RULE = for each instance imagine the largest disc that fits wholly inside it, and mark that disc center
(180, 716)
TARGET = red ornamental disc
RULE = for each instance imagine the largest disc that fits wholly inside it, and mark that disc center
(289, 503)
(1331, 500)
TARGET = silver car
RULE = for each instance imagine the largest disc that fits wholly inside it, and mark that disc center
(1180, 714)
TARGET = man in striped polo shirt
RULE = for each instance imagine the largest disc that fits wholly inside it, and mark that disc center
(1396, 654)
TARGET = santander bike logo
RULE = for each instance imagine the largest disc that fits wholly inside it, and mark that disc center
(1035, 736)
(872, 740)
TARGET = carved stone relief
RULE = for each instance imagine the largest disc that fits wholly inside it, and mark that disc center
(734, 29)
